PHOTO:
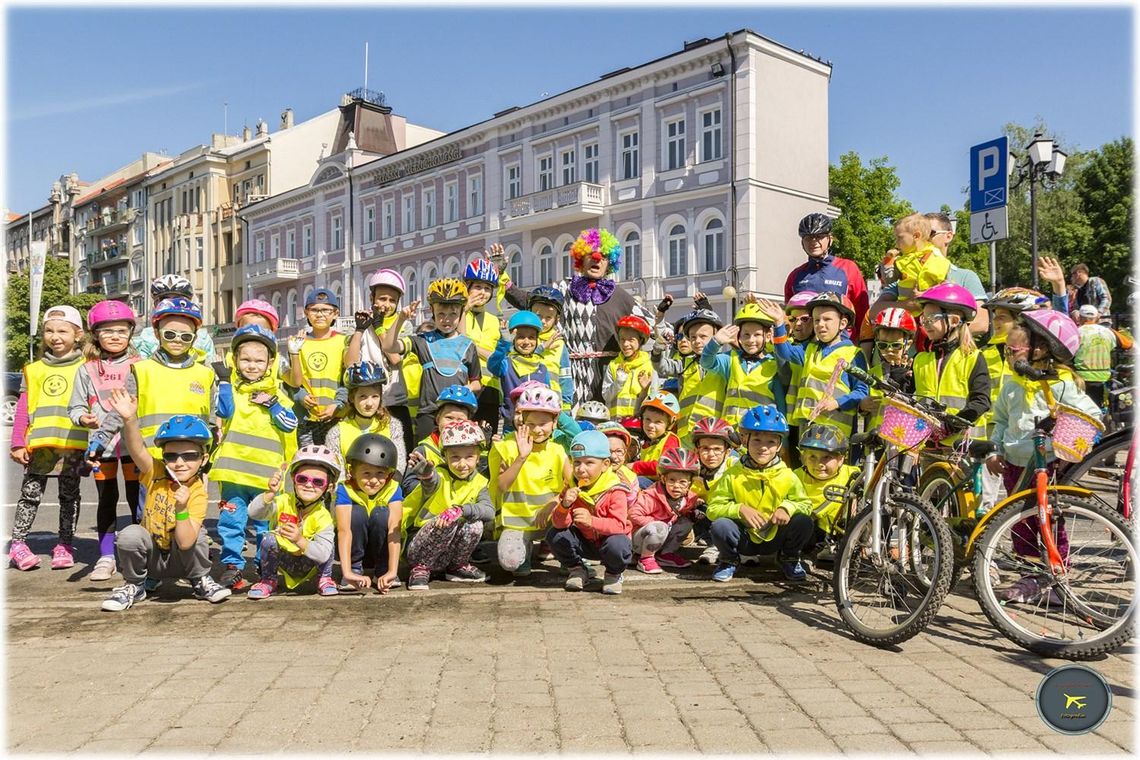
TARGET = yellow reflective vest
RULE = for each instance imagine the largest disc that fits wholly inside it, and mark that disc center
(382, 498)
(322, 364)
(253, 449)
(523, 506)
(765, 490)
(824, 508)
(484, 330)
(949, 385)
(49, 393)
(314, 519)
(625, 402)
(747, 390)
(451, 492)
(552, 360)
(702, 395)
(814, 377)
(350, 429)
(166, 391)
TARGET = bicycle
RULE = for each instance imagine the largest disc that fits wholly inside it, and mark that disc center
(1109, 468)
(892, 566)
(1054, 566)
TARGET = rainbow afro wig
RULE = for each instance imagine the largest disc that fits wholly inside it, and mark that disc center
(596, 244)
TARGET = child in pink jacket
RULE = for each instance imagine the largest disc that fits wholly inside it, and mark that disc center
(663, 513)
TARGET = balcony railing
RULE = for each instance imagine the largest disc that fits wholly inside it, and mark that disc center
(581, 196)
(273, 270)
(106, 222)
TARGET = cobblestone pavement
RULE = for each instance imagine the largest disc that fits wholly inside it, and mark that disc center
(676, 664)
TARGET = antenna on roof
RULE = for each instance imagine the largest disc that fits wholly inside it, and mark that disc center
(225, 117)
(366, 65)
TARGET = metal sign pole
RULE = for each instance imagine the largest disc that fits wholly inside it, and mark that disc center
(993, 267)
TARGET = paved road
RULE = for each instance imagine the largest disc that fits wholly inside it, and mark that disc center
(676, 664)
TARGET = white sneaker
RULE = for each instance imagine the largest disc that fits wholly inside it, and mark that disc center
(104, 569)
(709, 556)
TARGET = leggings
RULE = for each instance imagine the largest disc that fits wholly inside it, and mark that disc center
(32, 489)
(107, 486)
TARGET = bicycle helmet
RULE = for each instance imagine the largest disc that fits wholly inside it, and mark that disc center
(590, 443)
(799, 300)
(460, 395)
(751, 312)
(1058, 331)
(711, 427)
(364, 374)
(389, 277)
(1018, 300)
(261, 308)
(447, 290)
(524, 319)
(481, 270)
(633, 426)
(374, 449)
(815, 224)
(176, 307)
(540, 399)
(835, 301)
(547, 294)
(700, 317)
(522, 388)
(320, 456)
(255, 333)
(765, 418)
(184, 427)
(110, 311)
(663, 402)
(951, 297)
(170, 286)
(824, 438)
(462, 433)
(594, 411)
(678, 460)
(614, 429)
(636, 323)
(895, 318)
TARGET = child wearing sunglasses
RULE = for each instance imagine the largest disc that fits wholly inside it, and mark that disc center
(299, 543)
(316, 364)
(894, 330)
(168, 541)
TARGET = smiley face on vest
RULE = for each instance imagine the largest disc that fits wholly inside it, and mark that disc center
(55, 385)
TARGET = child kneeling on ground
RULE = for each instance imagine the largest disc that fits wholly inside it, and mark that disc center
(759, 505)
(169, 541)
(825, 477)
(369, 511)
(663, 514)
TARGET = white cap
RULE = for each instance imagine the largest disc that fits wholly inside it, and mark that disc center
(1088, 311)
(67, 314)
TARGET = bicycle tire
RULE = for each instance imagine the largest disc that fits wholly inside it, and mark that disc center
(1090, 643)
(1100, 471)
(937, 487)
(920, 513)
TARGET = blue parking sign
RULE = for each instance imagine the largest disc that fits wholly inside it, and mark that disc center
(989, 175)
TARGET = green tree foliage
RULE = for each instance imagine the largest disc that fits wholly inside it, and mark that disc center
(975, 257)
(866, 197)
(1104, 188)
(56, 291)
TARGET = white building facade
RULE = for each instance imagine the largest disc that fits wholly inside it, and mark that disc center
(701, 163)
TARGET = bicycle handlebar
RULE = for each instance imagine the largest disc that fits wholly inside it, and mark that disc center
(889, 388)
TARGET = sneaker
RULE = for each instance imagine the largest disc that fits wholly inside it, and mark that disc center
(419, 577)
(104, 568)
(611, 584)
(724, 572)
(794, 571)
(231, 578)
(465, 574)
(826, 553)
(1029, 590)
(543, 553)
(62, 557)
(123, 597)
(672, 559)
(709, 556)
(151, 584)
(647, 564)
(524, 570)
(577, 579)
(480, 556)
(22, 557)
(207, 588)
(750, 559)
(326, 586)
(262, 589)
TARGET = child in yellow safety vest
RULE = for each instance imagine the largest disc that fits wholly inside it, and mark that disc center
(299, 543)
(702, 390)
(629, 377)
(369, 514)
(527, 471)
(515, 361)
(366, 413)
(43, 437)
(825, 477)
(456, 403)
(894, 329)
(446, 509)
(482, 327)
(258, 439)
(919, 264)
(715, 442)
(658, 417)
(748, 369)
(548, 302)
(800, 331)
(316, 364)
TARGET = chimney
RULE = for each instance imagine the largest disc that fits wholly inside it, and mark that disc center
(262, 128)
(246, 135)
(287, 118)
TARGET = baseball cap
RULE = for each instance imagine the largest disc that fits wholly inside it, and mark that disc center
(67, 314)
(322, 295)
(1088, 311)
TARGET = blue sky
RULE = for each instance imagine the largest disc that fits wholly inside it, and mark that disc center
(90, 90)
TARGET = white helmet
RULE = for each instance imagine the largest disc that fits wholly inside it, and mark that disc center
(170, 285)
(540, 399)
(593, 411)
(389, 277)
(462, 433)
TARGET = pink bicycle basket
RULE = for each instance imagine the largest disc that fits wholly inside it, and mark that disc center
(905, 426)
(1075, 433)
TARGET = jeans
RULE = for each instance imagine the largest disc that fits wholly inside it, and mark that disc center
(570, 546)
(232, 525)
(731, 539)
(369, 539)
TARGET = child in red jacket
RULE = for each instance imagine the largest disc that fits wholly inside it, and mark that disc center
(591, 519)
(663, 514)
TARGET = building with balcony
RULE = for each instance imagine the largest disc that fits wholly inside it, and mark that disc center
(701, 162)
(50, 223)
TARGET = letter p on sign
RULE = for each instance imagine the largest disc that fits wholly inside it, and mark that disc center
(988, 161)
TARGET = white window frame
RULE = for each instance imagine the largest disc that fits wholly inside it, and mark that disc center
(369, 224)
(291, 244)
(710, 236)
(275, 246)
(674, 156)
(590, 165)
(475, 195)
(631, 250)
(450, 202)
(409, 213)
(337, 233)
(568, 160)
(678, 251)
(546, 265)
(514, 181)
(389, 222)
(515, 267)
(629, 150)
(712, 133)
(259, 250)
(428, 199)
(545, 172)
(307, 250)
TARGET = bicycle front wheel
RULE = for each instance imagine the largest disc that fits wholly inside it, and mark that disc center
(887, 598)
(937, 486)
(1084, 613)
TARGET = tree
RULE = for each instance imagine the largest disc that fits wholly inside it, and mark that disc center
(866, 198)
(961, 252)
(1104, 188)
(56, 291)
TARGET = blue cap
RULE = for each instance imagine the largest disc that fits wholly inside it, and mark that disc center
(525, 319)
(590, 443)
(322, 295)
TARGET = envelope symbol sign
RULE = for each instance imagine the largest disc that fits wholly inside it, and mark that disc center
(995, 196)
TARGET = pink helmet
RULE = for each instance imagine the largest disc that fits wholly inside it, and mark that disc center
(540, 399)
(262, 308)
(321, 456)
(522, 388)
(1057, 329)
(389, 277)
(950, 296)
(678, 460)
(800, 300)
(462, 433)
(110, 311)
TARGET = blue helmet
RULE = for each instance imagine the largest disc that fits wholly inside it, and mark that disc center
(184, 427)
(176, 307)
(525, 319)
(547, 294)
(458, 394)
(672, 385)
(482, 270)
(764, 418)
(825, 438)
(590, 443)
(364, 374)
(255, 333)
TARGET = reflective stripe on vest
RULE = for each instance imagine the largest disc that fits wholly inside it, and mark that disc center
(949, 385)
(625, 403)
(316, 520)
(322, 362)
(451, 492)
(49, 392)
(164, 392)
(536, 486)
(253, 449)
(702, 395)
(483, 329)
(814, 377)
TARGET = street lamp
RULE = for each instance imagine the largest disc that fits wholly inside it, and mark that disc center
(1044, 163)
(729, 292)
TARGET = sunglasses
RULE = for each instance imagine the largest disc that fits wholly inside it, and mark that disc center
(185, 456)
(315, 482)
(114, 332)
(321, 312)
(929, 319)
(894, 345)
(801, 319)
(171, 335)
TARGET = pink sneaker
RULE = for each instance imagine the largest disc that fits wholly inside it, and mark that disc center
(22, 557)
(672, 559)
(326, 586)
(648, 565)
(62, 557)
(262, 589)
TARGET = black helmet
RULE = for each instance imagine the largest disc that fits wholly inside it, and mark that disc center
(374, 449)
(701, 316)
(815, 224)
